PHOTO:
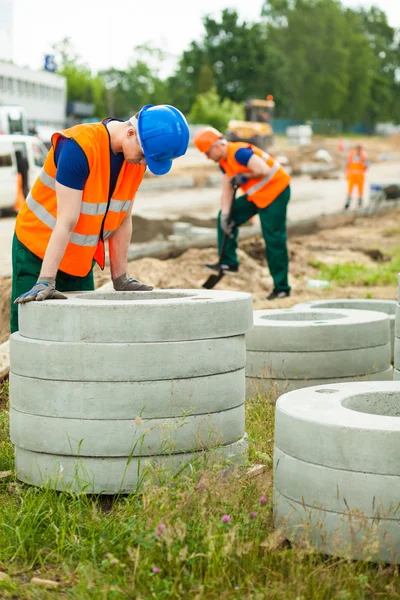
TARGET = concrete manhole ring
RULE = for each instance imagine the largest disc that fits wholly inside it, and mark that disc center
(322, 329)
(388, 307)
(337, 469)
(159, 315)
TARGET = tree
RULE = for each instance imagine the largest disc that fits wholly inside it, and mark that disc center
(210, 110)
(130, 89)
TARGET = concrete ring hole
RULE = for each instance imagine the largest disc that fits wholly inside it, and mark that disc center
(305, 317)
(384, 404)
(124, 296)
(327, 391)
(376, 305)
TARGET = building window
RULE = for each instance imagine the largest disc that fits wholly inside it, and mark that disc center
(1, 83)
(10, 85)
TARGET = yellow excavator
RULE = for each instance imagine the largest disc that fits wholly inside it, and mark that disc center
(257, 129)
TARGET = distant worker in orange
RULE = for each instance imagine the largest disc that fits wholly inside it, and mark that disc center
(357, 165)
(266, 191)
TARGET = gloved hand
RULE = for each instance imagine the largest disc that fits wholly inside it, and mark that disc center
(227, 224)
(238, 180)
(44, 289)
(123, 283)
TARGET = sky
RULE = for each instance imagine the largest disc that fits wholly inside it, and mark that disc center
(104, 33)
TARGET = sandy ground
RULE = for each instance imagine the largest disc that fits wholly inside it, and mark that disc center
(348, 244)
(355, 243)
(309, 199)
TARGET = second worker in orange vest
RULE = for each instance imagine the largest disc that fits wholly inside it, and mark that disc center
(62, 227)
(266, 187)
(357, 165)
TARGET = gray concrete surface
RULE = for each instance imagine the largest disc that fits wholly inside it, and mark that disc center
(114, 475)
(118, 317)
(336, 469)
(321, 329)
(127, 399)
(327, 425)
(338, 534)
(80, 361)
(396, 357)
(318, 365)
(337, 490)
(386, 306)
(123, 437)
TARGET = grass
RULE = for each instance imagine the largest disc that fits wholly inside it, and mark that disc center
(359, 274)
(170, 541)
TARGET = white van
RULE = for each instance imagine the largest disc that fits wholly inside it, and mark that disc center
(34, 152)
(24, 154)
(8, 173)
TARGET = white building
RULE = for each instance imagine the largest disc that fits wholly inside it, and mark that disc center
(42, 94)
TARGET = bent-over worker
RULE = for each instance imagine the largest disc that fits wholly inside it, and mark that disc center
(266, 187)
(83, 197)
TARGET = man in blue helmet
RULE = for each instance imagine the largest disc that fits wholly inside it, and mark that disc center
(83, 197)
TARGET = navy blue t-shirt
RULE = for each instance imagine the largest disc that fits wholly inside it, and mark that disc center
(243, 155)
(73, 168)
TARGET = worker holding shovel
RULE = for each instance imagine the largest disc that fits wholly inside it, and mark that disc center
(83, 197)
(266, 188)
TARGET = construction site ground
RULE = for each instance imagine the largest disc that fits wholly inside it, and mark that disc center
(360, 254)
(351, 243)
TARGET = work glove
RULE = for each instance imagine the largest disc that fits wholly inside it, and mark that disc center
(238, 180)
(123, 283)
(227, 225)
(44, 289)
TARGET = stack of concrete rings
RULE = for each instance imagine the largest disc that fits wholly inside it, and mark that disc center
(290, 349)
(386, 306)
(104, 384)
(337, 469)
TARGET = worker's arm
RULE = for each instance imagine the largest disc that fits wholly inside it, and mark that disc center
(227, 224)
(226, 195)
(68, 210)
(258, 169)
(118, 246)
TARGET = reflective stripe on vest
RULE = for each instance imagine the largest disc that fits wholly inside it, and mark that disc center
(87, 208)
(260, 184)
(47, 218)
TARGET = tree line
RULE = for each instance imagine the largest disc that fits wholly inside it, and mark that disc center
(318, 58)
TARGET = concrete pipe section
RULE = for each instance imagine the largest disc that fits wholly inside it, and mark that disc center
(337, 469)
(127, 382)
(386, 306)
(290, 349)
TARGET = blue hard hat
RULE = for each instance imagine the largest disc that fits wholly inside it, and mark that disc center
(163, 135)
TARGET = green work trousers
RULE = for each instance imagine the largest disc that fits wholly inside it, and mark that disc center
(273, 226)
(25, 272)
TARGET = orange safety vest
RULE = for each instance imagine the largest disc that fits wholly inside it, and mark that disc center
(100, 215)
(264, 190)
(357, 163)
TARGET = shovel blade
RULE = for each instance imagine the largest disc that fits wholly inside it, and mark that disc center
(212, 281)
